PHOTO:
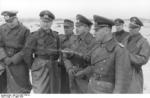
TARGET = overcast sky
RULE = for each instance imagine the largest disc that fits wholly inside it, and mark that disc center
(69, 8)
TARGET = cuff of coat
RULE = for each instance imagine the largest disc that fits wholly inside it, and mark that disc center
(17, 57)
(68, 64)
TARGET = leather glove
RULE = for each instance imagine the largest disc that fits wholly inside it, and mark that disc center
(79, 74)
(83, 71)
(71, 72)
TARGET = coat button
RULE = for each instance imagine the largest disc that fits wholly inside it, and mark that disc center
(104, 61)
(101, 69)
(100, 75)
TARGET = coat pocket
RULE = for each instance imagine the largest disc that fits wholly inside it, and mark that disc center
(100, 86)
(136, 85)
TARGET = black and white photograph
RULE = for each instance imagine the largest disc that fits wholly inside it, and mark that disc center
(74, 47)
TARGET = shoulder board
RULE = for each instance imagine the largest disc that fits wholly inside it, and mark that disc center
(24, 26)
(141, 41)
(34, 34)
(3, 25)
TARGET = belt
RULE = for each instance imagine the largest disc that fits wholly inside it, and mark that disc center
(46, 57)
(11, 51)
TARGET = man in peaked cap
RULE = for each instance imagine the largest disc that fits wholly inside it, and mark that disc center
(68, 27)
(120, 35)
(47, 15)
(46, 19)
(80, 19)
(68, 33)
(10, 18)
(139, 53)
(135, 22)
(81, 44)
(13, 37)
(101, 22)
(66, 40)
(109, 73)
(45, 45)
(81, 23)
(135, 25)
(9, 15)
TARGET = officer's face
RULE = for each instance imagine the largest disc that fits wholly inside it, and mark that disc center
(68, 30)
(80, 29)
(13, 23)
(6, 18)
(133, 30)
(46, 25)
(119, 27)
(100, 33)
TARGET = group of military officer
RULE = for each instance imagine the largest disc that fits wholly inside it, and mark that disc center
(72, 62)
